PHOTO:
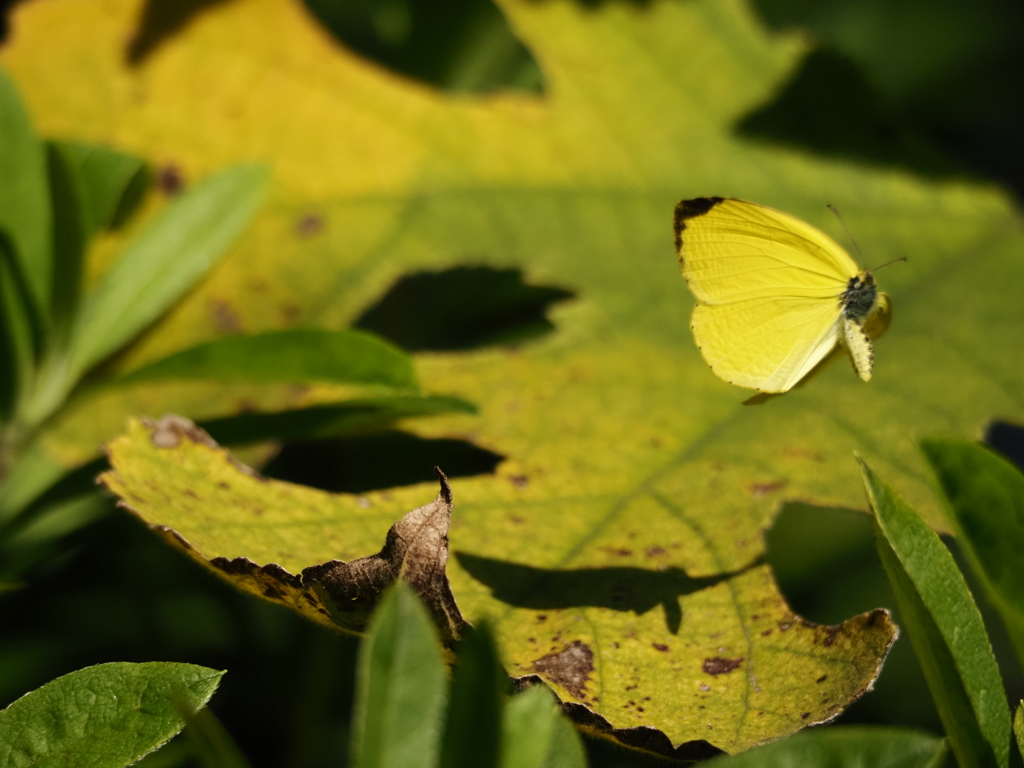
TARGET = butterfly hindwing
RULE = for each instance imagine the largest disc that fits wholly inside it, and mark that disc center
(766, 344)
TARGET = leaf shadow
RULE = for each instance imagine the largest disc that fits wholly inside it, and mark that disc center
(831, 108)
(377, 461)
(619, 588)
(1007, 439)
(160, 20)
(462, 308)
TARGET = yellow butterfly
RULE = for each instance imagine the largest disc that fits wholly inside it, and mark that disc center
(774, 295)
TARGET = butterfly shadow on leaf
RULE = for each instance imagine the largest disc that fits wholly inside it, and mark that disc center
(619, 588)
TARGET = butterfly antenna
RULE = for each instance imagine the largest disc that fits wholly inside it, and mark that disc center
(847, 231)
(901, 258)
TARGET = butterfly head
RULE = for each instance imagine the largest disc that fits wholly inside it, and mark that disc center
(860, 297)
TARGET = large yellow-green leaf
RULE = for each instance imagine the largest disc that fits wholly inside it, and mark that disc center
(625, 455)
(722, 659)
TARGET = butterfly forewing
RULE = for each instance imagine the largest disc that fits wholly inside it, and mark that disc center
(731, 250)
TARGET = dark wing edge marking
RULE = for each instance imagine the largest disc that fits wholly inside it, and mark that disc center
(688, 209)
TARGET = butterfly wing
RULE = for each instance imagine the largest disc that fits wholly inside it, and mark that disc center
(767, 286)
(765, 343)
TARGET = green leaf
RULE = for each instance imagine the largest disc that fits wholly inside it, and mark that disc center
(24, 198)
(304, 356)
(113, 182)
(1018, 727)
(400, 687)
(165, 261)
(844, 747)
(30, 475)
(197, 497)
(472, 730)
(105, 716)
(33, 540)
(71, 232)
(946, 629)
(17, 353)
(986, 501)
(535, 733)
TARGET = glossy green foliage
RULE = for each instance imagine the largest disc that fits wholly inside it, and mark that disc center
(401, 691)
(986, 505)
(407, 714)
(946, 629)
(844, 747)
(105, 716)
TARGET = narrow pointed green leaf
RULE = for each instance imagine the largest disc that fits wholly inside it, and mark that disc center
(986, 504)
(105, 716)
(1018, 727)
(401, 687)
(24, 195)
(71, 230)
(32, 473)
(17, 354)
(302, 356)
(844, 747)
(473, 727)
(113, 182)
(164, 262)
(945, 628)
(535, 733)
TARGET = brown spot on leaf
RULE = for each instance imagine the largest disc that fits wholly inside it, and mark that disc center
(757, 490)
(519, 481)
(569, 668)
(766, 633)
(805, 715)
(654, 551)
(169, 179)
(660, 647)
(224, 316)
(309, 225)
(719, 666)
(822, 679)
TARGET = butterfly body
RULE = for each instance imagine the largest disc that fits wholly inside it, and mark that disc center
(774, 295)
